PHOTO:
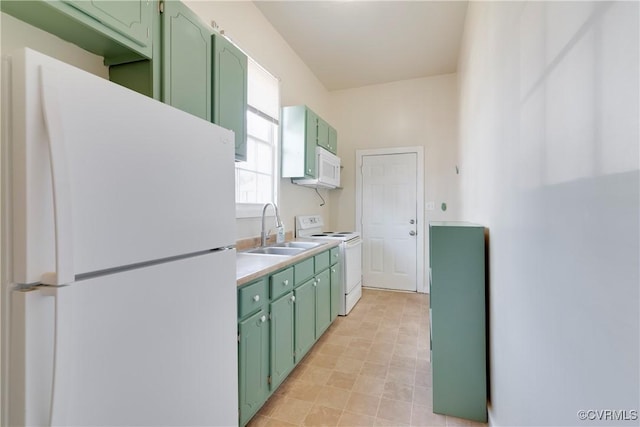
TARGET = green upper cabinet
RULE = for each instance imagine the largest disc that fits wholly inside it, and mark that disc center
(120, 31)
(186, 60)
(130, 18)
(303, 131)
(230, 91)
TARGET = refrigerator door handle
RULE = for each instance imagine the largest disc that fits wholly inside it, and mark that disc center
(60, 182)
(62, 353)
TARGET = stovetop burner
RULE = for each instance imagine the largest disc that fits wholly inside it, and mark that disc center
(311, 226)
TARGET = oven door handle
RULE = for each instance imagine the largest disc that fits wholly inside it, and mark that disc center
(354, 242)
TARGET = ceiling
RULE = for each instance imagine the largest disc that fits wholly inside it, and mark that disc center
(355, 43)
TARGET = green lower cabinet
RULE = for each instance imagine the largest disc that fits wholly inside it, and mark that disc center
(280, 317)
(281, 350)
(336, 290)
(323, 302)
(253, 364)
(305, 321)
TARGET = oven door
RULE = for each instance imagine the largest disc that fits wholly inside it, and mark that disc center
(352, 264)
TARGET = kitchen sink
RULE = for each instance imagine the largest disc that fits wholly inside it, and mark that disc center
(302, 245)
(277, 250)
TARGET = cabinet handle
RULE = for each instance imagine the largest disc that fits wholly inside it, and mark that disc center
(293, 298)
(256, 298)
(336, 255)
(315, 283)
(333, 270)
(318, 280)
(263, 319)
(286, 282)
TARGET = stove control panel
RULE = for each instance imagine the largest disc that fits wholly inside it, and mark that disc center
(309, 221)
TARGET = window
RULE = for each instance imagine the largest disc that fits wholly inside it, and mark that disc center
(256, 179)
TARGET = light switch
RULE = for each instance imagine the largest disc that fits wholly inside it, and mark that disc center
(430, 206)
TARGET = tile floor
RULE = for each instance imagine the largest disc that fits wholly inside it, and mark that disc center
(371, 368)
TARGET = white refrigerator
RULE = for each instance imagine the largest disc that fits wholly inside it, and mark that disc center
(120, 300)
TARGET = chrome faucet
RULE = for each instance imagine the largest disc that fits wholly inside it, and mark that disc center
(264, 234)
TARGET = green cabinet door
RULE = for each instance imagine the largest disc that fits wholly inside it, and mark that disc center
(186, 60)
(299, 140)
(230, 91)
(310, 141)
(129, 18)
(323, 134)
(333, 140)
(323, 302)
(281, 349)
(305, 321)
(336, 290)
(253, 364)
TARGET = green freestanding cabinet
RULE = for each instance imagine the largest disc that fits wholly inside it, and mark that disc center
(457, 311)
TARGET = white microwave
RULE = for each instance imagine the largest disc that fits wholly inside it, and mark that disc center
(327, 171)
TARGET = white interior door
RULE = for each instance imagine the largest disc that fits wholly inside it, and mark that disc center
(389, 221)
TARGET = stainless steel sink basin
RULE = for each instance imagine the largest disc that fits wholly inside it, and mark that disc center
(303, 245)
(276, 250)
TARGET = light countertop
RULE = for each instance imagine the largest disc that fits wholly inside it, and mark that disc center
(252, 266)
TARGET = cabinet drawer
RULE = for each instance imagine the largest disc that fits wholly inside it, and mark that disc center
(321, 261)
(281, 282)
(303, 271)
(335, 255)
(252, 297)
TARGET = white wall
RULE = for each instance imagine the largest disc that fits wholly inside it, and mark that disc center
(249, 29)
(400, 114)
(549, 155)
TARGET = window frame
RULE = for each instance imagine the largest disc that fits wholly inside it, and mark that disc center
(254, 210)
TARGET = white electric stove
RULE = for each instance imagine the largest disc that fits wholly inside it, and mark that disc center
(311, 227)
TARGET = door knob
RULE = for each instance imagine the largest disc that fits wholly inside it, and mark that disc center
(412, 233)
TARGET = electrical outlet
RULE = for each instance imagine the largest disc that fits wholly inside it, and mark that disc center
(430, 206)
